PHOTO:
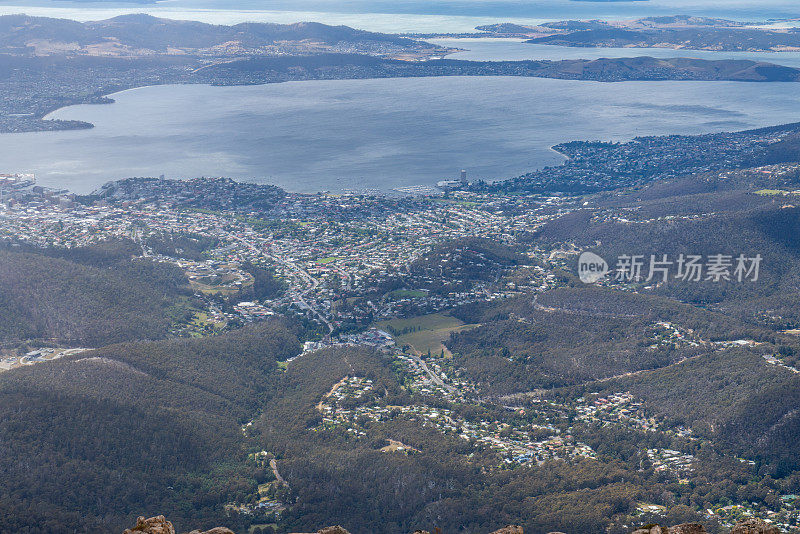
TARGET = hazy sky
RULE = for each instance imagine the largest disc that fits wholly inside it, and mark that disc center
(405, 15)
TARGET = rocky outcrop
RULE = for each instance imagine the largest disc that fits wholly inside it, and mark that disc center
(160, 525)
(510, 529)
(750, 526)
(153, 525)
(754, 526)
(685, 528)
(332, 530)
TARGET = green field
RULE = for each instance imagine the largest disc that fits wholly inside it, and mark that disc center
(408, 293)
(426, 332)
(771, 192)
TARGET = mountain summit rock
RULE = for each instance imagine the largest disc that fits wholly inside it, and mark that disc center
(749, 526)
(160, 525)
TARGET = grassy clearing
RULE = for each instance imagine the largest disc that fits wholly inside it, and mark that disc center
(408, 294)
(771, 192)
(207, 289)
(220, 285)
(424, 333)
(398, 446)
(202, 319)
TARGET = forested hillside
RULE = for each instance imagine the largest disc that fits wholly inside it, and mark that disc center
(571, 336)
(87, 297)
(732, 213)
(345, 479)
(93, 440)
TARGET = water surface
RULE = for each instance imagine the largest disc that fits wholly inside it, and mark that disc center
(494, 49)
(356, 134)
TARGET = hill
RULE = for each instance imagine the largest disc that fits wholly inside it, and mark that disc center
(577, 335)
(87, 296)
(143, 35)
(678, 31)
(92, 440)
(710, 213)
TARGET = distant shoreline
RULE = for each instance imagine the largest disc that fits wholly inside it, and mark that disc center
(467, 69)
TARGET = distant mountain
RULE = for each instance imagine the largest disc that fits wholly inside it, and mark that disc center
(141, 34)
(699, 38)
(263, 70)
(675, 31)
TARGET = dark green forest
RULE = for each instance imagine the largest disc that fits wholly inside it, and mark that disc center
(92, 441)
(87, 296)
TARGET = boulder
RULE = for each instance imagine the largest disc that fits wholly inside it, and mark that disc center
(754, 526)
(333, 530)
(510, 529)
(153, 525)
(687, 528)
(160, 525)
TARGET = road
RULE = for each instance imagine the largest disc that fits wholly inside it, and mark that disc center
(274, 466)
(436, 379)
(300, 296)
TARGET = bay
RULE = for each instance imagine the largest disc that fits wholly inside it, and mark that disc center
(360, 134)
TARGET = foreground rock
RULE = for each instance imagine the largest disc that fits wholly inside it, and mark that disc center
(750, 526)
(510, 529)
(685, 528)
(153, 525)
(754, 526)
(160, 525)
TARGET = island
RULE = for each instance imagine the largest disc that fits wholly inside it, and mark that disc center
(680, 32)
